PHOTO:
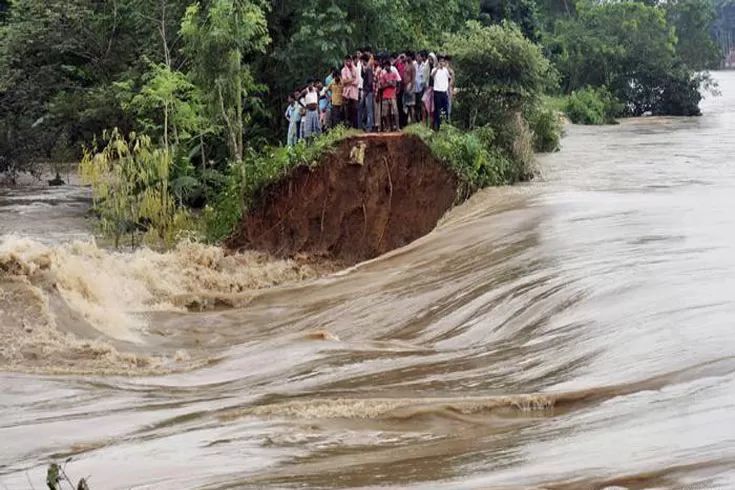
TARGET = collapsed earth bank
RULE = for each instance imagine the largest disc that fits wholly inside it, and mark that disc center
(372, 194)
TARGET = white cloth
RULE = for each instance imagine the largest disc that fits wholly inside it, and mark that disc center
(441, 80)
(311, 97)
(393, 69)
(359, 75)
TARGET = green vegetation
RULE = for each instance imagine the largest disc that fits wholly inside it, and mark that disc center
(630, 48)
(196, 89)
(131, 185)
(592, 106)
(56, 476)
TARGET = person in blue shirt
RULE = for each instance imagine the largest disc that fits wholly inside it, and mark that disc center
(291, 110)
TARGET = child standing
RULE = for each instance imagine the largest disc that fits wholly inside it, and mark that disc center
(290, 117)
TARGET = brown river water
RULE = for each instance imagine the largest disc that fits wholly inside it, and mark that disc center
(577, 332)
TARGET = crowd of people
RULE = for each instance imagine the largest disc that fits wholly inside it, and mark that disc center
(376, 93)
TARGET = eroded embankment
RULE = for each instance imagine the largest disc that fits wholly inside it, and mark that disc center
(372, 194)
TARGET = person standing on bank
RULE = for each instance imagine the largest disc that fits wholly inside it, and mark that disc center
(360, 93)
(350, 92)
(409, 89)
(442, 80)
(310, 126)
(290, 111)
(368, 90)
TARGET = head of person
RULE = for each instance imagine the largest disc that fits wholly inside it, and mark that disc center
(290, 99)
(410, 56)
(387, 63)
(365, 59)
(368, 50)
(348, 61)
(393, 58)
(358, 54)
(310, 85)
(319, 85)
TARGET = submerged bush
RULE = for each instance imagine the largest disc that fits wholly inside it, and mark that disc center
(546, 124)
(131, 190)
(592, 106)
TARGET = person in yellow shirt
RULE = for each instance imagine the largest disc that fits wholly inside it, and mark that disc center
(336, 87)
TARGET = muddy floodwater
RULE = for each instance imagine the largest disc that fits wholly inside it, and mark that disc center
(577, 332)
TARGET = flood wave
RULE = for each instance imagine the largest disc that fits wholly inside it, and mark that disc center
(78, 307)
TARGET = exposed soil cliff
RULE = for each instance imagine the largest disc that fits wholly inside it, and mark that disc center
(373, 194)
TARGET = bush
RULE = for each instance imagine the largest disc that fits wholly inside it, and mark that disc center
(472, 155)
(592, 106)
(546, 124)
(499, 72)
(131, 190)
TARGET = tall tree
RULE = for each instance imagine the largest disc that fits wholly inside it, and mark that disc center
(693, 21)
(524, 13)
(219, 35)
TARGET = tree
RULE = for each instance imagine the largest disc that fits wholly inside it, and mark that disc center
(630, 48)
(218, 37)
(499, 72)
(59, 62)
(693, 21)
(524, 13)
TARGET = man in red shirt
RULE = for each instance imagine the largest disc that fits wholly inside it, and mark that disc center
(389, 109)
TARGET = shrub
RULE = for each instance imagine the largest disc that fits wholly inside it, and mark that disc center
(131, 189)
(499, 72)
(472, 155)
(546, 124)
(592, 106)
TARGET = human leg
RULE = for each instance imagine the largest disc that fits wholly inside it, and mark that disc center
(369, 112)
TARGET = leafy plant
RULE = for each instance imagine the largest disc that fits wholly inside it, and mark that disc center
(546, 124)
(130, 188)
(592, 106)
(498, 72)
(473, 156)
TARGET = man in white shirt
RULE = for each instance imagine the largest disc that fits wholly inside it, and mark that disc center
(360, 92)
(442, 79)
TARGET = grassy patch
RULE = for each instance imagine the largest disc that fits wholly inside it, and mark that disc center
(473, 156)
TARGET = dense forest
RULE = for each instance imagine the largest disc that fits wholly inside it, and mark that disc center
(202, 85)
